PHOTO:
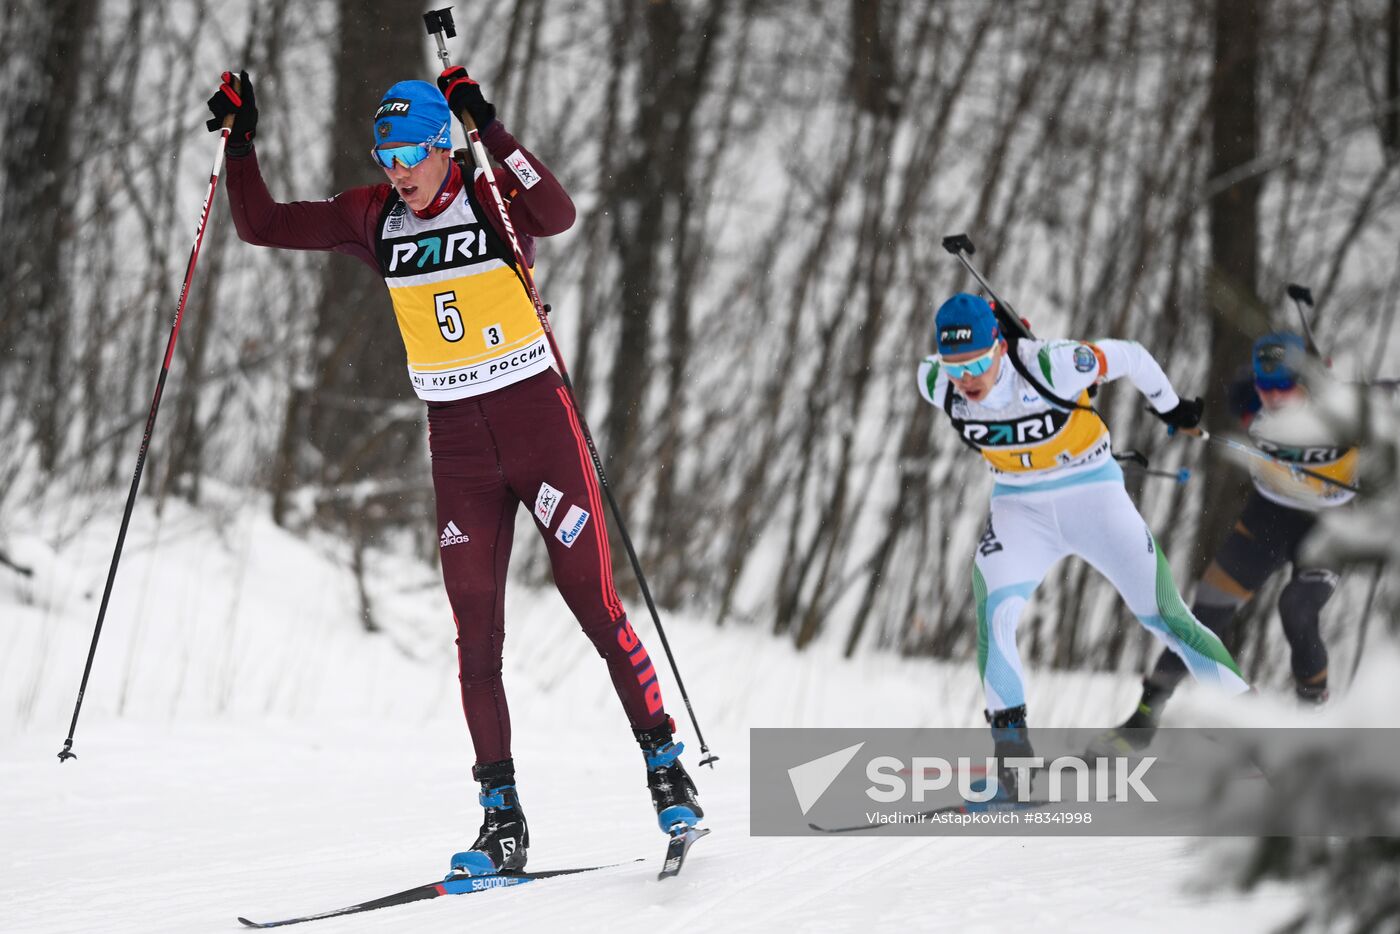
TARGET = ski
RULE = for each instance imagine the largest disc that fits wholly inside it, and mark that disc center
(676, 849)
(946, 809)
(462, 885)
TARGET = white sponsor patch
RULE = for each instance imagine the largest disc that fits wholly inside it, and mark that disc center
(546, 501)
(574, 521)
(523, 170)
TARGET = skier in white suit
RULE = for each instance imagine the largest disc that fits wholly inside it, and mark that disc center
(1024, 407)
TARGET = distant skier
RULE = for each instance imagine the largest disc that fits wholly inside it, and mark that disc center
(1059, 492)
(1275, 520)
(501, 428)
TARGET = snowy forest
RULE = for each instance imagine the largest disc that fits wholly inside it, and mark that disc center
(743, 301)
(748, 288)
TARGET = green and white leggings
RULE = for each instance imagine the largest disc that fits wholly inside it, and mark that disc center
(1030, 529)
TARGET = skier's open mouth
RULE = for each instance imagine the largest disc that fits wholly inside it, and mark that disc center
(407, 190)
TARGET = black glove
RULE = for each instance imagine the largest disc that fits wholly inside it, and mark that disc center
(1187, 413)
(464, 94)
(241, 106)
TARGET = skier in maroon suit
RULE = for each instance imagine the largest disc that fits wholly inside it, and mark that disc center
(501, 428)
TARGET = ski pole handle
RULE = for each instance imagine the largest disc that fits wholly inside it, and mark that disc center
(1301, 296)
(228, 121)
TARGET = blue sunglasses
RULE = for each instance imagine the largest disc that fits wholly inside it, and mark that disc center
(974, 367)
(406, 156)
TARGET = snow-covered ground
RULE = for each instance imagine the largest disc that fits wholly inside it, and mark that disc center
(247, 749)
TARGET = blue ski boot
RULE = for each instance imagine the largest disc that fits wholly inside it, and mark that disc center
(672, 791)
(1010, 739)
(504, 838)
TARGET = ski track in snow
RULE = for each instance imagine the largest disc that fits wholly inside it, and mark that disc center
(182, 829)
(246, 749)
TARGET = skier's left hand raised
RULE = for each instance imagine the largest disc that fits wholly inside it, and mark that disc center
(464, 94)
(1187, 413)
(234, 98)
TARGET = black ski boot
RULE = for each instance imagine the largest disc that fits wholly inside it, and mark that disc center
(1135, 733)
(504, 838)
(672, 791)
(1311, 692)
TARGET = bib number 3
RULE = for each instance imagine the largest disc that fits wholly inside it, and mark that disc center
(448, 317)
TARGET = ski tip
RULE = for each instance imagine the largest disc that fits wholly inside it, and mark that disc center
(249, 924)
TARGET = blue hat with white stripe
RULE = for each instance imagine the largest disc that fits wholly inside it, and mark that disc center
(965, 323)
(413, 112)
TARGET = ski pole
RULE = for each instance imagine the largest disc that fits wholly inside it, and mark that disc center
(67, 751)
(1301, 296)
(440, 27)
(1138, 460)
(1257, 454)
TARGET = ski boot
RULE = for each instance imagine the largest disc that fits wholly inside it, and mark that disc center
(1312, 692)
(504, 838)
(1134, 734)
(1010, 739)
(672, 791)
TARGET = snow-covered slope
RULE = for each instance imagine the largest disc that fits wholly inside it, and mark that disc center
(246, 748)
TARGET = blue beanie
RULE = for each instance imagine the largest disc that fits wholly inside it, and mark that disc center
(1278, 358)
(413, 112)
(965, 323)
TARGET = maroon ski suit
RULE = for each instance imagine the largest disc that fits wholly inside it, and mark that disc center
(490, 452)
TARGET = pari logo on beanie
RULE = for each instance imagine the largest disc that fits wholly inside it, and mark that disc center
(413, 112)
(965, 323)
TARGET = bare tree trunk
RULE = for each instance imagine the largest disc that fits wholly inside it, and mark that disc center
(672, 522)
(653, 204)
(357, 371)
(1392, 80)
(36, 204)
(1233, 277)
(873, 78)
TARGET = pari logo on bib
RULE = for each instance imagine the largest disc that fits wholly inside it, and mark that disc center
(572, 526)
